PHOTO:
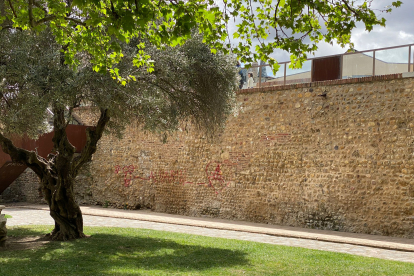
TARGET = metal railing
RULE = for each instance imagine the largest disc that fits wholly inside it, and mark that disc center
(374, 62)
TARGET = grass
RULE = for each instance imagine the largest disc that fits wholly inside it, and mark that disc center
(7, 216)
(126, 251)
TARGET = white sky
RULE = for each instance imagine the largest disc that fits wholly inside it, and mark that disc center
(399, 30)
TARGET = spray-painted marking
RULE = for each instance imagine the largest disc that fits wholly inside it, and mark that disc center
(280, 138)
(170, 176)
(214, 174)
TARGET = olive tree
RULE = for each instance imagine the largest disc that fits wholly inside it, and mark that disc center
(187, 83)
(157, 87)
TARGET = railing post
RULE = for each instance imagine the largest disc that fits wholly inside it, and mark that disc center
(409, 59)
(373, 64)
(260, 75)
(284, 75)
(311, 78)
(341, 69)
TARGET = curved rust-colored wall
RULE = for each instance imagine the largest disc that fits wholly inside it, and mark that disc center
(9, 171)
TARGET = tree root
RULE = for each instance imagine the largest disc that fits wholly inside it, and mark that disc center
(61, 236)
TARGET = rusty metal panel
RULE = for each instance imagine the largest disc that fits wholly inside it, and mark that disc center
(326, 68)
(21, 142)
(8, 173)
(76, 135)
(4, 158)
(44, 144)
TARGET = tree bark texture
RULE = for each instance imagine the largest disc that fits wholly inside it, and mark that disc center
(67, 214)
(58, 171)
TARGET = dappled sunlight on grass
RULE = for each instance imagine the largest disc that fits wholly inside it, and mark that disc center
(127, 251)
(32, 230)
(106, 250)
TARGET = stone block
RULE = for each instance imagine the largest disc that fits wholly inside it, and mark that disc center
(408, 75)
(3, 230)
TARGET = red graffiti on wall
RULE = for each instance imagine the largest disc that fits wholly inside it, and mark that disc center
(280, 138)
(216, 176)
(214, 173)
(170, 176)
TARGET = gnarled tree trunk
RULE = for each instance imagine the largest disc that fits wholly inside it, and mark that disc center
(63, 208)
(58, 172)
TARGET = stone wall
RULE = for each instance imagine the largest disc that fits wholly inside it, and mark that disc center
(24, 188)
(290, 156)
(332, 155)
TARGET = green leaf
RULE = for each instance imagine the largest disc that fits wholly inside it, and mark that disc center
(210, 16)
(397, 4)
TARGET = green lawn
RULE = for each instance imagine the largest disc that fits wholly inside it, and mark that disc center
(7, 216)
(124, 251)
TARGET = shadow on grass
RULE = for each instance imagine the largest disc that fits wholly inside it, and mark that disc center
(18, 231)
(108, 253)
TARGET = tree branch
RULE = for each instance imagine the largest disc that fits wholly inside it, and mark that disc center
(29, 158)
(10, 27)
(39, 6)
(254, 23)
(31, 19)
(92, 138)
(350, 8)
(43, 20)
(60, 139)
(64, 149)
(276, 9)
(136, 7)
(77, 21)
(11, 7)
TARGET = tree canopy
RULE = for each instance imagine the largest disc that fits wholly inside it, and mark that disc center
(261, 25)
(187, 83)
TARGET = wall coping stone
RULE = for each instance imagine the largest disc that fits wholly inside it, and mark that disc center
(320, 83)
(408, 74)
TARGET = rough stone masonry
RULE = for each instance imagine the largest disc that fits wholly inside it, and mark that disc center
(331, 155)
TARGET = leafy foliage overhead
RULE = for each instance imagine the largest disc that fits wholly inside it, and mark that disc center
(261, 25)
(187, 82)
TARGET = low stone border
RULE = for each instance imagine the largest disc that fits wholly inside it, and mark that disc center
(382, 242)
(3, 229)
